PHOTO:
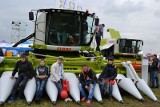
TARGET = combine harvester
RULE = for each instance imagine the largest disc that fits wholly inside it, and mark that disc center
(140, 83)
(62, 32)
(123, 49)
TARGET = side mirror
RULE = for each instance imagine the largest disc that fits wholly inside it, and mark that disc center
(31, 16)
(96, 21)
(142, 43)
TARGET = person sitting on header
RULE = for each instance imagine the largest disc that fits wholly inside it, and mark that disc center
(87, 82)
(42, 74)
(57, 75)
(107, 76)
(25, 72)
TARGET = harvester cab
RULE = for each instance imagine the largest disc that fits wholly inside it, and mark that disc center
(122, 47)
(59, 30)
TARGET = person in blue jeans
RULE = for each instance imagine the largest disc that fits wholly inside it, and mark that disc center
(42, 74)
(57, 76)
(87, 82)
(25, 72)
(108, 75)
(154, 67)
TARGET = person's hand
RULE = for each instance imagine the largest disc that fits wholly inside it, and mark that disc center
(43, 77)
(106, 80)
(64, 79)
(12, 77)
(86, 87)
(98, 81)
(90, 85)
(59, 81)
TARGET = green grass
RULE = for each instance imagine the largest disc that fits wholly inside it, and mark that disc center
(129, 101)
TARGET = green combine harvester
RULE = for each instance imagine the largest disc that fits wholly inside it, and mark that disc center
(61, 32)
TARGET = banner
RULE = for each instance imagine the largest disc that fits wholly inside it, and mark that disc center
(69, 4)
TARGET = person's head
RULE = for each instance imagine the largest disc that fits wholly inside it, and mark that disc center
(23, 57)
(110, 60)
(85, 68)
(60, 59)
(154, 56)
(103, 25)
(42, 62)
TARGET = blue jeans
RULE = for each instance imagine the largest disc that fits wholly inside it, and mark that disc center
(91, 89)
(40, 83)
(21, 82)
(154, 78)
(59, 86)
(104, 86)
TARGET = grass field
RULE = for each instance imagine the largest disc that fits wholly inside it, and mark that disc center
(129, 101)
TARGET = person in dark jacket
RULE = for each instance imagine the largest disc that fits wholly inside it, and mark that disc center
(99, 34)
(42, 74)
(107, 76)
(87, 82)
(154, 66)
(25, 72)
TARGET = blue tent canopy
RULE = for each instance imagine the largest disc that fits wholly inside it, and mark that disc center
(26, 42)
(17, 50)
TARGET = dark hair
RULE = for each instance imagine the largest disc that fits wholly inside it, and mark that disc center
(23, 55)
(42, 59)
(85, 65)
(110, 58)
(155, 55)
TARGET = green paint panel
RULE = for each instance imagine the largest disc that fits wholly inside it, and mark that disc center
(114, 34)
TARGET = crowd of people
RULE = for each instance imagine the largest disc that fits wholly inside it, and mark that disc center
(42, 72)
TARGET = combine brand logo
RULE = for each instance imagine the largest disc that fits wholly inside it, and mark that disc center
(63, 49)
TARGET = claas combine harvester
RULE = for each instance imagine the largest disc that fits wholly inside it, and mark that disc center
(69, 33)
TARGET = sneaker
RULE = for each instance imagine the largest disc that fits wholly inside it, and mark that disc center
(83, 99)
(152, 86)
(37, 100)
(110, 99)
(68, 99)
(11, 100)
(88, 102)
(157, 87)
(19, 98)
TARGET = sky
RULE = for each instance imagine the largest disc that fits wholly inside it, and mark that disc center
(135, 19)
